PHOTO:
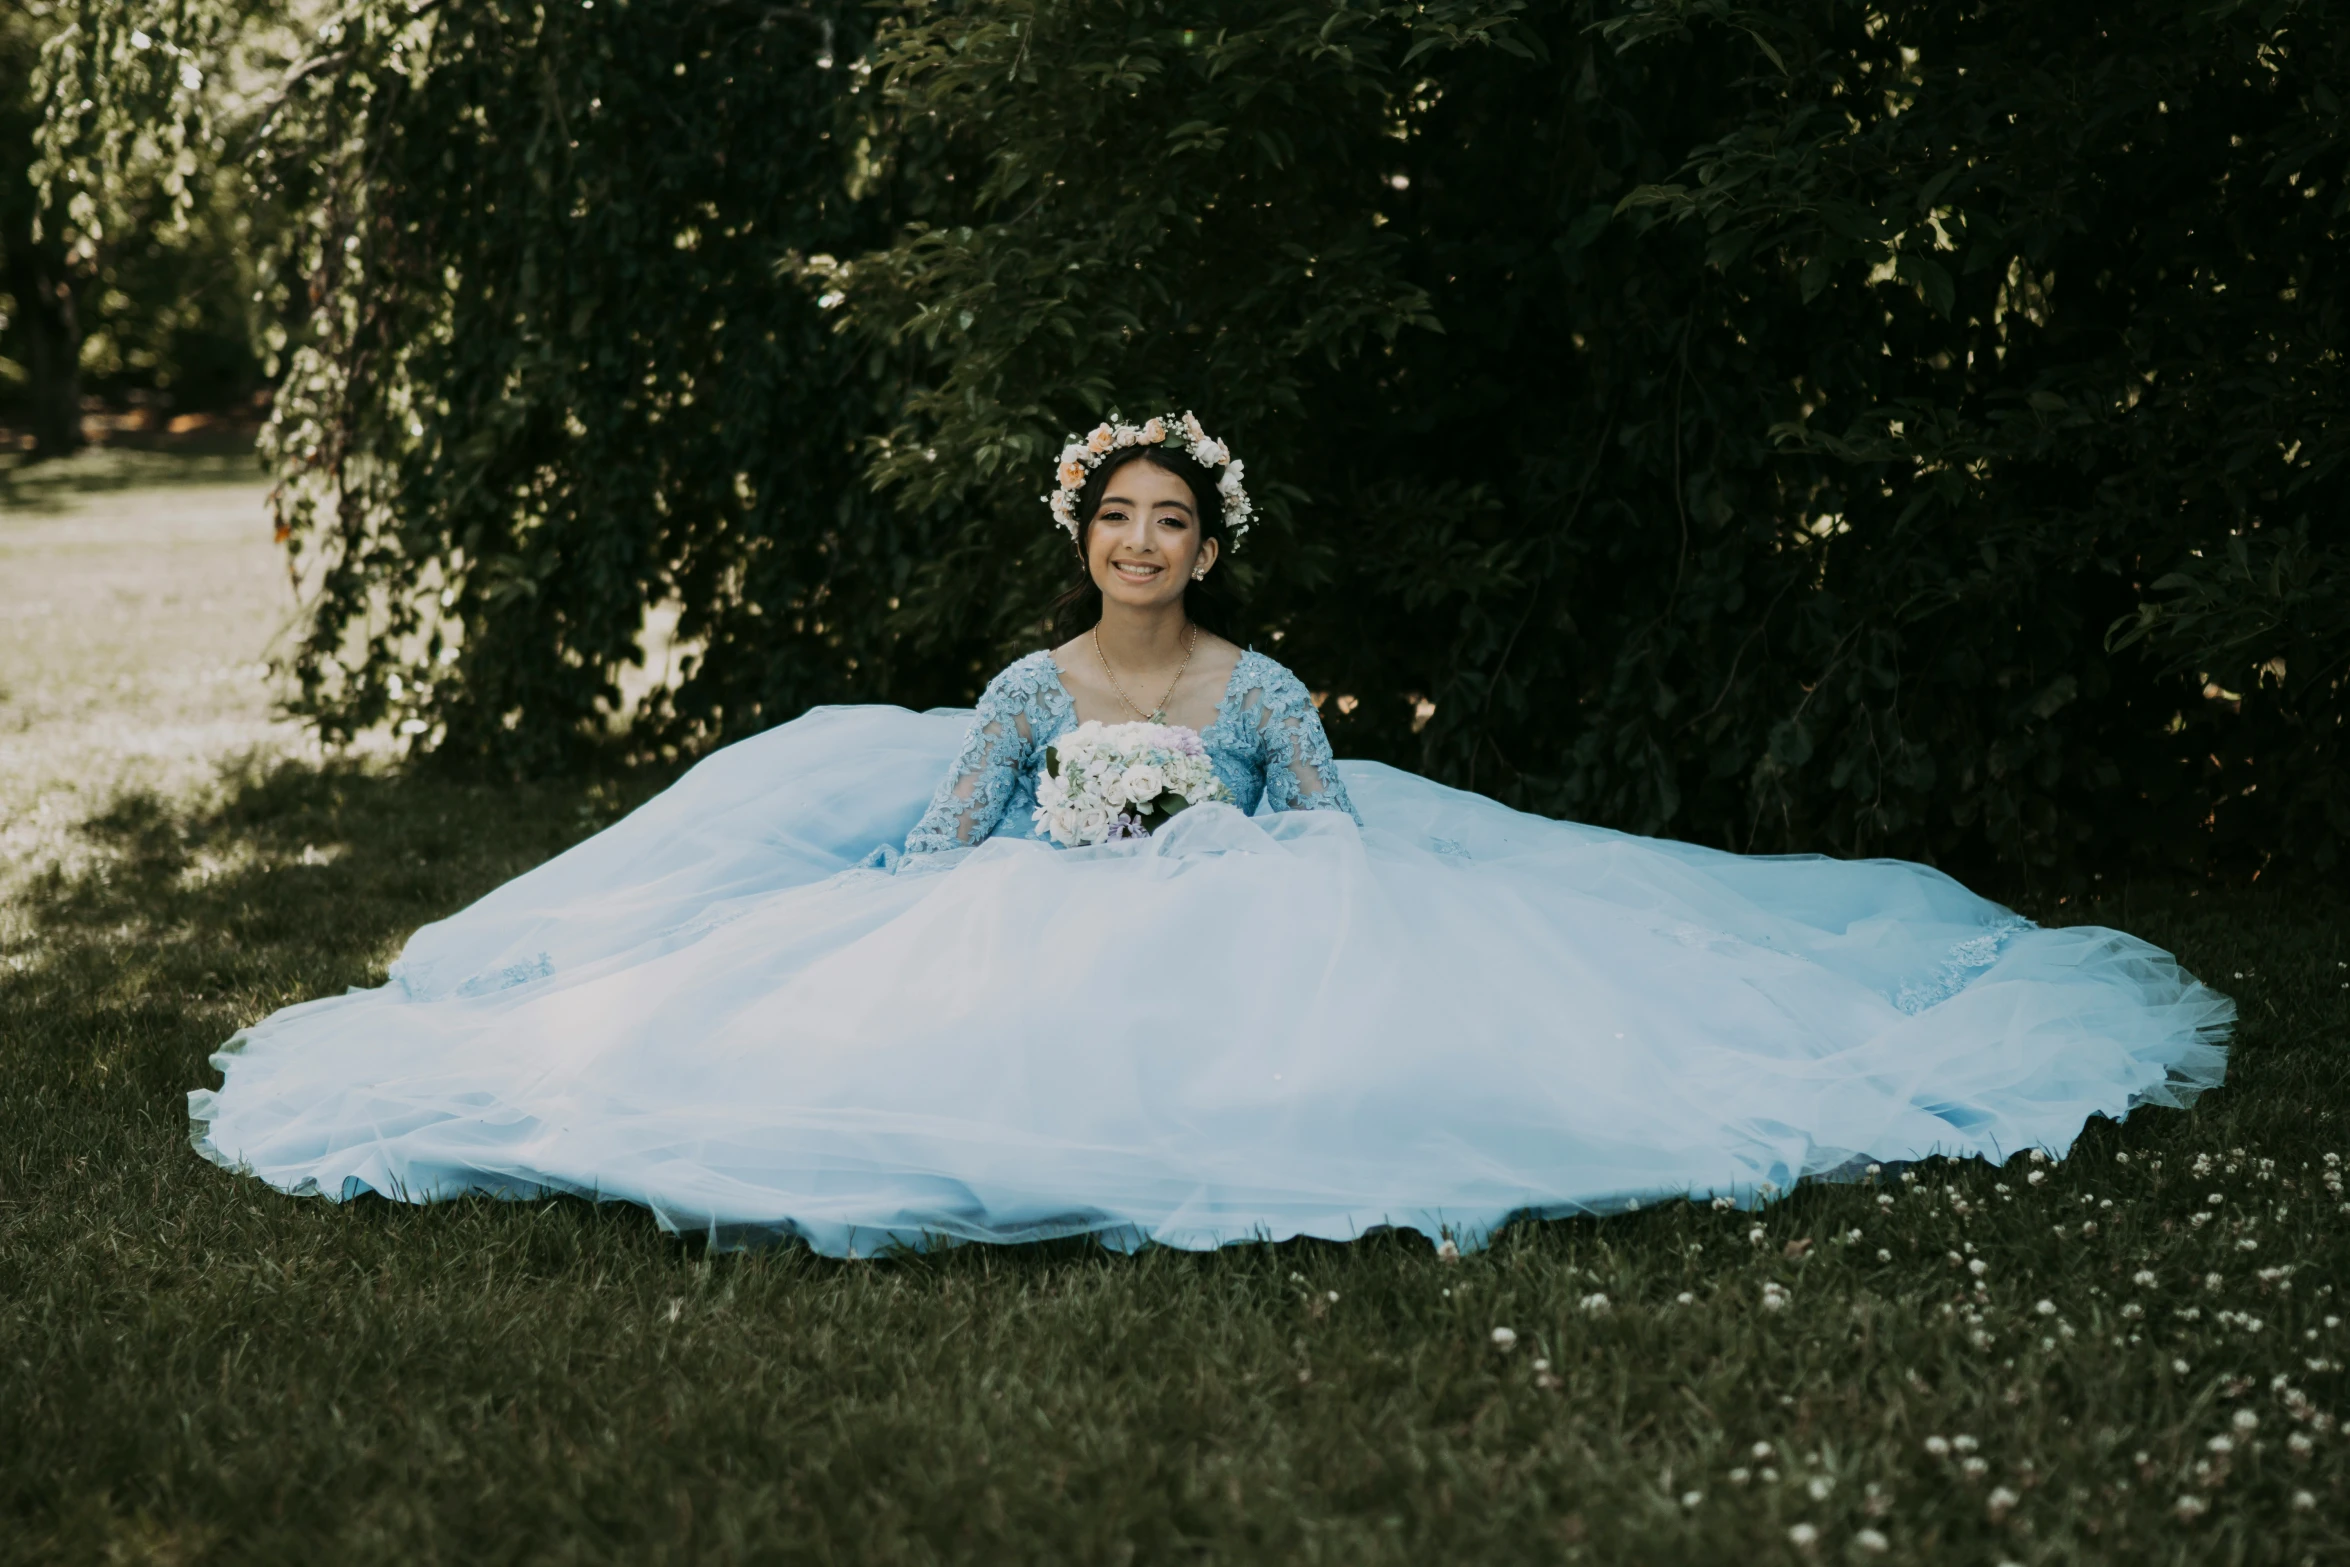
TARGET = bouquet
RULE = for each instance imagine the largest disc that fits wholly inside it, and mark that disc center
(1108, 781)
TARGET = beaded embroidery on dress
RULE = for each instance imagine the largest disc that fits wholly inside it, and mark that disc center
(1348, 998)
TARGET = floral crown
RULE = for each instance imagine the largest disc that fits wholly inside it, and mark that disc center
(1182, 432)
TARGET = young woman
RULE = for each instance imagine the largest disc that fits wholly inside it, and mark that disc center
(1323, 999)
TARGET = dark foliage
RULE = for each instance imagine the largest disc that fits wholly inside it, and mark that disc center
(1912, 428)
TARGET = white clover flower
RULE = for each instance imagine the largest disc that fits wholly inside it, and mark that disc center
(1939, 1447)
(2000, 1502)
(2143, 1278)
(1757, 1235)
(1974, 1468)
(1760, 1451)
(1872, 1541)
(1505, 1339)
(1883, 1255)
(1978, 1267)
(2036, 1177)
(1692, 1498)
(1447, 1251)
(2189, 1508)
(2222, 1444)
(1818, 1487)
(2046, 1308)
(1684, 1299)
(1594, 1305)
(2304, 1502)
(1803, 1536)
(2300, 1444)
(2245, 1420)
(1964, 1444)
(2180, 1367)
(1739, 1476)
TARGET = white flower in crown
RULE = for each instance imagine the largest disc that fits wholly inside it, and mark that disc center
(1081, 457)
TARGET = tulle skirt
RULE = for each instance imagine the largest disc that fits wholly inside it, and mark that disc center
(730, 1009)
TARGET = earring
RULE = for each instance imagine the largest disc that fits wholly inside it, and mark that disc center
(1199, 573)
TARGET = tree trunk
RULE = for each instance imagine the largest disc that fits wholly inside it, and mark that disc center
(53, 350)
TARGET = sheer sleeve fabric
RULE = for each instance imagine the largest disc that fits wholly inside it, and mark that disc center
(971, 800)
(1293, 750)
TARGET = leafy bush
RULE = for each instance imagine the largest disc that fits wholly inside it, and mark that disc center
(1885, 429)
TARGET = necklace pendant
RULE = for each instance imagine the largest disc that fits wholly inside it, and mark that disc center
(1159, 717)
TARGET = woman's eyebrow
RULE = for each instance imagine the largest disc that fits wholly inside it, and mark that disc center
(1125, 500)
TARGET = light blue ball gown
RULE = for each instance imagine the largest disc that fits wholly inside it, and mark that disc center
(1351, 999)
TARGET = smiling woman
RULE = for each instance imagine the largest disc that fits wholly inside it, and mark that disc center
(1318, 999)
(1152, 529)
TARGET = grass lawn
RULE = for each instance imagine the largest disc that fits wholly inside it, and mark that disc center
(2135, 1356)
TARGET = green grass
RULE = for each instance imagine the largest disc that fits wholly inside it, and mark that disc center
(193, 1368)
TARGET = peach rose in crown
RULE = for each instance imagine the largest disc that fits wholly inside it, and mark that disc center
(1101, 440)
(1072, 474)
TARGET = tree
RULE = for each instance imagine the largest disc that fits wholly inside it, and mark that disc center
(1785, 426)
(43, 318)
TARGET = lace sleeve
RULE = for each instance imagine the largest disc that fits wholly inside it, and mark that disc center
(971, 799)
(1291, 745)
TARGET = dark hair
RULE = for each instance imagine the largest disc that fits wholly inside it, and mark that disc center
(1079, 608)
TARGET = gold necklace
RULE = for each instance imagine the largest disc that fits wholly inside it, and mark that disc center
(1157, 715)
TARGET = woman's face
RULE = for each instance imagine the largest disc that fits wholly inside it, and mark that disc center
(1145, 542)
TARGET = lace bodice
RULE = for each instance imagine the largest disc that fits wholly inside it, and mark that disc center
(1266, 743)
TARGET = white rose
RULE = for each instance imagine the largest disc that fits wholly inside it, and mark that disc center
(1143, 783)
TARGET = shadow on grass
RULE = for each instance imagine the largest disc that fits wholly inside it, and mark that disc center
(168, 924)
